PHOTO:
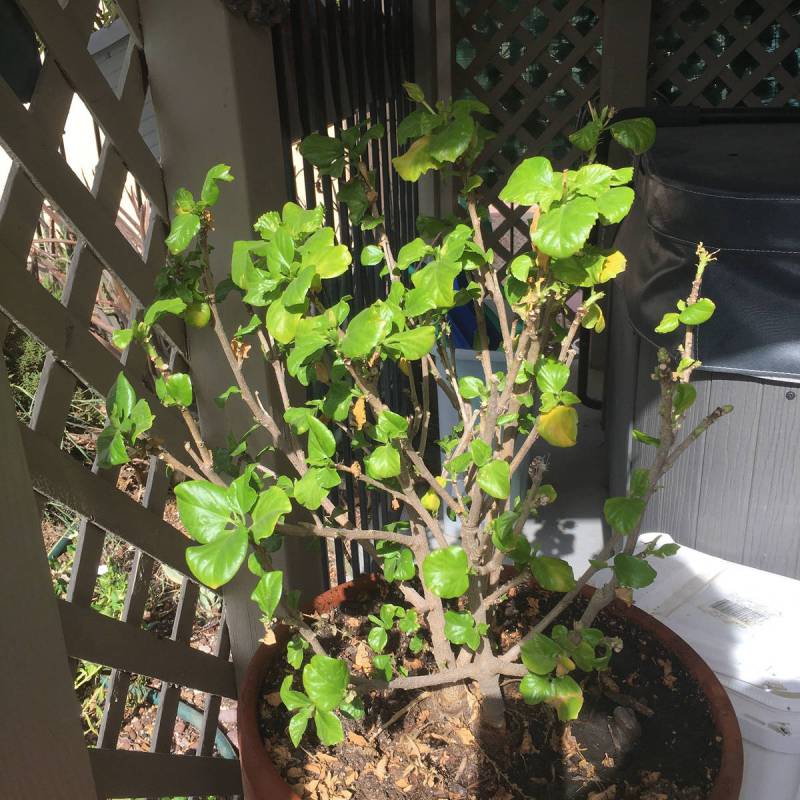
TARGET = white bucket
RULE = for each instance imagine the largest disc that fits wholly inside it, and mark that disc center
(745, 623)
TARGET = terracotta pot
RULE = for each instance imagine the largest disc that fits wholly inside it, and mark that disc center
(263, 782)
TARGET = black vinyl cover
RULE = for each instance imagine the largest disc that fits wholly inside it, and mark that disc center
(736, 188)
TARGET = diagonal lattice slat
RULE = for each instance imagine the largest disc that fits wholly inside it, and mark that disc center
(535, 65)
(725, 54)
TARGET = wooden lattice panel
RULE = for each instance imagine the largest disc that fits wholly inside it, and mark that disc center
(535, 65)
(725, 53)
(78, 358)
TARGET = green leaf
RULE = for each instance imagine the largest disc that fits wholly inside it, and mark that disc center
(325, 681)
(390, 426)
(410, 622)
(633, 572)
(411, 344)
(414, 91)
(416, 644)
(433, 287)
(321, 443)
(377, 639)
(697, 313)
(354, 195)
(298, 724)
(183, 229)
(591, 180)
(552, 376)
(535, 689)
(120, 400)
(169, 305)
(540, 654)
(325, 153)
(299, 221)
(267, 593)
(353, 709)
(587, 137)
(315, 486)
(329, 728)
(521, 266)
(450, 142)
(417, 124)
(291, 698)
(383, 462)
(640, 481)
(204, 508)
(564, 230)
(412, 252)
(122, 338)
(141, 419)
(683, 397)
(567, 697)
(533, 181)
(646, 438)
(383, 664)
(615, 204)
(281, 323)
(416, 161)
(623, 513)
(366, 330)
(243, 272)
(111, 450)
(271, 505)
(371, 255)
(459, 628)
(241, 494)
(669, 322)
(446, 572)
(470, 387)
(175, 390)
(295, 295)
(481, 452)
(397, 561)
(249, 327)
(183, 201)
(209, 194)
(553, 574)
(494, 478)
(295, 653)
(215, 563)
(220, 399)
(637, 134)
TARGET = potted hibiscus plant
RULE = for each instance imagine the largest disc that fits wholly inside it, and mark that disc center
(483, 665)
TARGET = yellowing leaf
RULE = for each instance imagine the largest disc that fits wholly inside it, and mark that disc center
(559, 427)
(613, 266)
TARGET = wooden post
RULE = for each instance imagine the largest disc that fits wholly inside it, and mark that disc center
(212, 77)
(626, 49)
(42, 750)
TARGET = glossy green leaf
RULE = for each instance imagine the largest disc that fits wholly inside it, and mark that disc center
(377, 639)
(494, 479)
(267, 593)
(325, 681)
(321, 442)
(633, 572)
(697, 313)
(329, 727)
(397, 561)
(451, 141)
(299, 723)
(564, 230)
(366, 330)
(470, 387)
(552, 376)
(540, 654)
(120, 400)
(553, 574)
(412, 252)
(567, 698)
(111, 450)
(183, 229)
(416, 161)
(315, 486)
(295, 295)
(683, 397)
(646, 438)
(175, 390)
(535, 689)
(521, 266)
(615, 204)
(533, 182)
(587, 137)
(446, 572)
(215, 563)
(623, 513)
(324, 152)
(210, 191)
(637, 134)
(168, 305)
(383, 462)
(412, 344)
(459, 628)
(291, 698)
(390, 426)
(281, 323)
(122, 338)
(272, 504)
(669, 322)
(204, 508)
(296, 652)
(481, 452)
(417, 124)
(371, 255)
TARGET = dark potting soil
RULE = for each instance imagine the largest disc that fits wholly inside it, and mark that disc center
(645, 731)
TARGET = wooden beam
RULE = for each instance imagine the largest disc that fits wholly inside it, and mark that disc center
(626, 48)
(125, 773)
(42, 751)
(94, 637)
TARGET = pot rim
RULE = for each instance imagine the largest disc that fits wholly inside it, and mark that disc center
(262, 779)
